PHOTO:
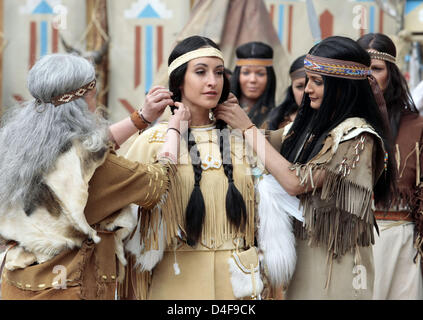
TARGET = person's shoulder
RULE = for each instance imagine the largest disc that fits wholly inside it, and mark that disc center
(156, 133)
(146, 145)
(153, 135)
(351, 128)
(349, 134)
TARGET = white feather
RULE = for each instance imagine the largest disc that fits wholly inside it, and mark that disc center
(275, 235)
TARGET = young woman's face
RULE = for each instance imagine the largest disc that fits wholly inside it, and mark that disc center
(315, 89)
(380, 72)
(203, 82)
(298, 86)
(253, 80)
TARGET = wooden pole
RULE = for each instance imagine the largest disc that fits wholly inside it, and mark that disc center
(97, 36)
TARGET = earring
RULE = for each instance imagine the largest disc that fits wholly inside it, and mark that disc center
(211, 115)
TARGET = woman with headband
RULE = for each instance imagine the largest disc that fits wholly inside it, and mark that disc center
(200, 245)
(397, 252)
(65, 193)
(334, 157)
(254, 81)
(288, 109)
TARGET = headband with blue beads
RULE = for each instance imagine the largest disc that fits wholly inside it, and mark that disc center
(336, 68)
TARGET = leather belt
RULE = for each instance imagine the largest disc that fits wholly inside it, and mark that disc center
(393, 215)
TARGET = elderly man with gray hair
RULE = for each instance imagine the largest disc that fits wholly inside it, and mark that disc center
(65, 194)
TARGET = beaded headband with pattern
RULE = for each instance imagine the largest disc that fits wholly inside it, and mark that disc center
(202, 52)
(374, 54)
(73, 95)
(335, 67)
(348, 70)
(254, 62)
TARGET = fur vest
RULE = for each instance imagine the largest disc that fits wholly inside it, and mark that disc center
(56, 220)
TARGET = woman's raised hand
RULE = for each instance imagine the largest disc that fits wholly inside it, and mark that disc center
(181, 118)
(156, 100)
(231, 112)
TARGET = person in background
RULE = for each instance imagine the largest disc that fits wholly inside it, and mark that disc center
(397, 251)
(200, 245)
(288, 109)
(335, 157)
(65, 193)
(254, 81)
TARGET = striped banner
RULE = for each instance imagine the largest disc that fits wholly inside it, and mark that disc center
(148, 54)
(44, 38)
(42, 34)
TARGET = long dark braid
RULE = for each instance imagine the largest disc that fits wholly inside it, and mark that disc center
(236, 210)
(196, 210)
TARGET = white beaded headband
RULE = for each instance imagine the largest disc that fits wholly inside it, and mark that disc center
(374, 54)
(202, 52)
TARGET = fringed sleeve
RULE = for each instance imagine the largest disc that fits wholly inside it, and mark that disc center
(417, 200)
(409, 159)
(417, 212)
(158, 220)
(339, 214)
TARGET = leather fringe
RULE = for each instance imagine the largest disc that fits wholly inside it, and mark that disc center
(217, 228)
(345, 224)
(169, 208)
(135, 285)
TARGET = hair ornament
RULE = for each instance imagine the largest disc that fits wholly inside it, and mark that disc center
(73, 95)
(254, 62)
(374, 54)
(336, 68)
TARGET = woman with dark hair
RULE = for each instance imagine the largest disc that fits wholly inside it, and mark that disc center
(287, 110)
(254, 81)
(197, 243)
(397, 262)
(334, 157)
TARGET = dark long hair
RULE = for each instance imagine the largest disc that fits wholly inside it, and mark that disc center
(258, 50)
(288, 106)
(343, 98)
(397, 95)
(195, 212)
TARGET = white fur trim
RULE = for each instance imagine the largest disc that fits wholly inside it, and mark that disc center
(125, 223)
(242, 283)
(41, 234)
(18, 258)
(275, 235)
(146, 260)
